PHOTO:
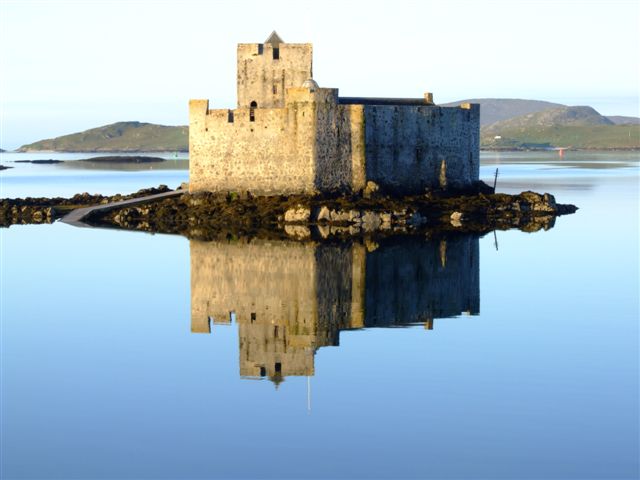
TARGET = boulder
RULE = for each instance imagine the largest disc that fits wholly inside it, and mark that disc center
(297, 231)
(299, 214)
(370, 189)
(340, 216)
(323, 214)
(370, 220)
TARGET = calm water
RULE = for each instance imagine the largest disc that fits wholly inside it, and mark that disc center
(127, 355)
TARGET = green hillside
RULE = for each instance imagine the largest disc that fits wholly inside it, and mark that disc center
(622, 120)
(118, 137)
(570, 127)
(497, 109)
(569, 136)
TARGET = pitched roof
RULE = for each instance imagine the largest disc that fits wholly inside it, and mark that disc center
(274, 39)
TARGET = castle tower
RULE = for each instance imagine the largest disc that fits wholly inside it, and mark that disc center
(266, 70)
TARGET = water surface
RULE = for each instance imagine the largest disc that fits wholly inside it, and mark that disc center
(128, 355)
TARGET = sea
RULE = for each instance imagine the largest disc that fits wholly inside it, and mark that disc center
(149, 356)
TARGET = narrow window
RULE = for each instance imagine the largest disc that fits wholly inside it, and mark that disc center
(275, 88)
(260, 49)
(230, 116)
(276, 53)
(252, 112)
(275, 331)
(253, 316)
(278, 367)
(263, 371)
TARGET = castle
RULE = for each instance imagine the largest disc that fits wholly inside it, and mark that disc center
(289, 298)
(288, 135)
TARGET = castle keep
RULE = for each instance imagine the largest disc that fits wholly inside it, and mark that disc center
(287, 135)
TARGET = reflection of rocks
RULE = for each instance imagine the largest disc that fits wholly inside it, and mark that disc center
(291, 298)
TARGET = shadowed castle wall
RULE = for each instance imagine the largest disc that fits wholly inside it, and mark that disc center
(415, 282)
(413, 147)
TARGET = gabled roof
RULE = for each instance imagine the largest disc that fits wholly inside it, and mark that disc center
(274, 39)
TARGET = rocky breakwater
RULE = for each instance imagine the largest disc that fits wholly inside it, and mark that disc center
(208, 216)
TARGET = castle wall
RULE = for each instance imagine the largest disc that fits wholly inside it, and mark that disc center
(263, 79)
(415, 282)
(411, 148)
(271, 155)
(339, 145)
(289, 299)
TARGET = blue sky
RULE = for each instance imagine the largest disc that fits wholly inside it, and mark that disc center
(72, 65)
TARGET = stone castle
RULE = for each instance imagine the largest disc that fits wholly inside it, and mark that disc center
(288, 135)
(290, 298)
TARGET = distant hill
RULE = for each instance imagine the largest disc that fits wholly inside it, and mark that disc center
(497, 109)
(571, 127)
(620, 120)
(118, 137)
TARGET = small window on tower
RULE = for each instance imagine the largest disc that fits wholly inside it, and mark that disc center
(252, 112)
(275, 89)
(276, 53)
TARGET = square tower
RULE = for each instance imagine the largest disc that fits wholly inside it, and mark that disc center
(266, 70)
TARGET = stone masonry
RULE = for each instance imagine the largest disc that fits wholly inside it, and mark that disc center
(290, 298)
(287, 135)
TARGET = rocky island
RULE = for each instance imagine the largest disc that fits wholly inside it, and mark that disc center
(207, 216)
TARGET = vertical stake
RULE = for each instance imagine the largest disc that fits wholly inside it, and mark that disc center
(495, 181)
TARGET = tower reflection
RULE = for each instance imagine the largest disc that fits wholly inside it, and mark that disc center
(290, 298)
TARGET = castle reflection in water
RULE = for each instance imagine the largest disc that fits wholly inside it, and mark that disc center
(290, 298)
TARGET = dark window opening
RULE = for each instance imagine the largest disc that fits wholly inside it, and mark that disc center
(275, 89)
(263, 372)
(276, 53)
(275, 331)
(253, 316)
(278, 367)
(260, 49)
(252, 113)
(230, 116)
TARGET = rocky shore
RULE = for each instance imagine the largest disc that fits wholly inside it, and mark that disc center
(208, 215)
(31, 210)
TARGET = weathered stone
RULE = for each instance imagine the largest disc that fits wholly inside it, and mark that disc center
(297, 231)
(370, 220)
(370, 189)
(323, 214)
(340, 216)
(371, 245)
(297, 215)
(456, 216)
